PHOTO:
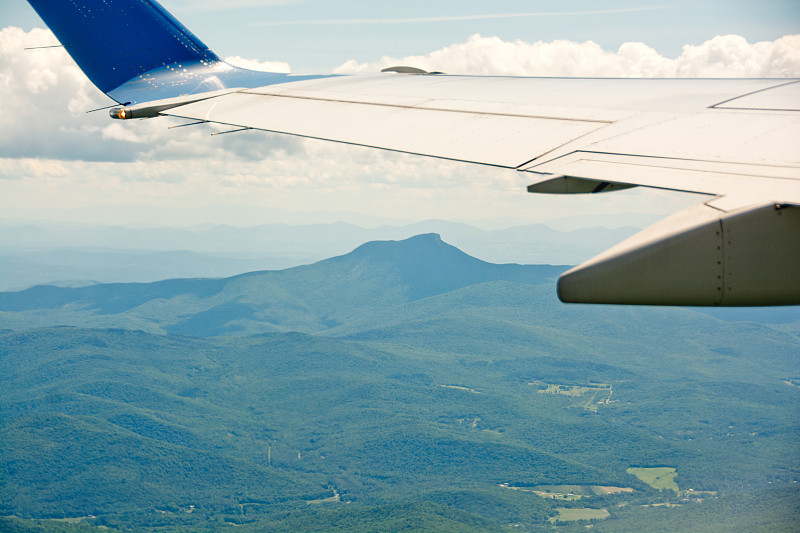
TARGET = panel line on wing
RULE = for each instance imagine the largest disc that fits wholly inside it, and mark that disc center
(229, 131)
(718, 106)
(348, 143)
(497, 140)
(427, 108)
(533, 162)
(189, 124)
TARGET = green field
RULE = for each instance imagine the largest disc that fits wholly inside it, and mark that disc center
(571, 492)
(571, 515)
(659, 478)
(554, 492)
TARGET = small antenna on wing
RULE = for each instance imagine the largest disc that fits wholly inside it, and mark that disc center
(107, 107)
(42, 47)
(230, 131)
(189, 124)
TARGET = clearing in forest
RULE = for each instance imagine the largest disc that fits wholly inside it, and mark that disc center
(571, 492)
(332, 499)
(611, 490)
(660, 478)
(570, 515)
(593, 394)
(459, 387)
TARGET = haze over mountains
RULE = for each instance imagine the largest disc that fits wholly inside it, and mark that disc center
(371, 279)
(40, 253)
(404, 386)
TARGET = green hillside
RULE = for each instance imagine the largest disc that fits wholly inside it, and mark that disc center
(422, 390)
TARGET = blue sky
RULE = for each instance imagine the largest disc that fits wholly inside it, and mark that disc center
(274, 29)
(58, 162)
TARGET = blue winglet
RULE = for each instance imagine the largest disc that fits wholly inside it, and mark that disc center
(113, 41)
(135, 51)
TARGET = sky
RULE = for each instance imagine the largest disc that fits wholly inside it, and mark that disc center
(59, 163)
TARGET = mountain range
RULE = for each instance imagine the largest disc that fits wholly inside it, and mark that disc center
(312, 298)
(42, 253)
(404, 386)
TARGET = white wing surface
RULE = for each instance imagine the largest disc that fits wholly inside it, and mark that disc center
(523, 123)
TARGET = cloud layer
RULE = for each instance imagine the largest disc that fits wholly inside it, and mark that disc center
(52, 153)
(722, 56)
(255, 64)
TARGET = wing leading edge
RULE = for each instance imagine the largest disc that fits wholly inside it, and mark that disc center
(735, 141)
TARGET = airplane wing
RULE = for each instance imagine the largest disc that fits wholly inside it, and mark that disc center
(735, 140)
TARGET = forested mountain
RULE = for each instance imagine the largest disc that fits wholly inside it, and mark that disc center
(313, 298)
(405, 386)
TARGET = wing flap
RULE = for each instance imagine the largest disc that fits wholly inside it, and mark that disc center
(777, 183)
(715, 135)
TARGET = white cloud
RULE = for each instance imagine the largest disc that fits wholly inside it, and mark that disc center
(255, 64)
(119, 132)
(722, 56)
(33, 168)
(353, 180)
(40, 80)
(732, 55)
(43, 102)
(42, 95)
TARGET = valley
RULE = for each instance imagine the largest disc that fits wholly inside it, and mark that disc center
(405, 386)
